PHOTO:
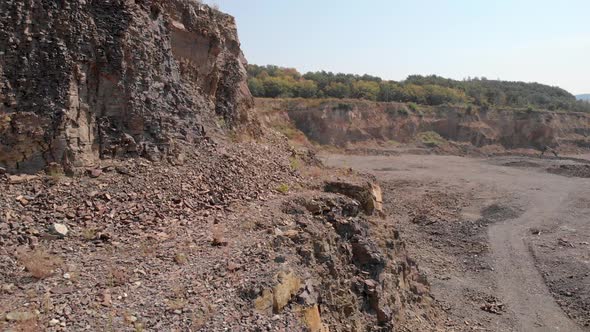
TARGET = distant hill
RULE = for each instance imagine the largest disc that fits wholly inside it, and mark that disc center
(278, 82)
(585, 97)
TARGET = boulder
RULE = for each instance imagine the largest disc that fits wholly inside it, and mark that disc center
(368, 194)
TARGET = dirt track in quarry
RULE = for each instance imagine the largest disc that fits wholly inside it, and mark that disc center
(503, 241)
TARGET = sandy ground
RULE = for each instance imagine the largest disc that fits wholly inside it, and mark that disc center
(503, 241)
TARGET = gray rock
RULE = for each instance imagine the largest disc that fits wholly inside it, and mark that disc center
(60, 230)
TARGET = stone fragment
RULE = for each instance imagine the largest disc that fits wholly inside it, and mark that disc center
(313, 206)
(18, 179)
(20, 316)
(123, 170)
(291, 233)
(312, 319)
(58, 229)
(367, 254)
(308, 296)
(219, 241)
(284, 290)
(7, 288)
(106, 299)
(231, 266)
(129, 143)
(264, 302)
(95, 172)
(21, 199)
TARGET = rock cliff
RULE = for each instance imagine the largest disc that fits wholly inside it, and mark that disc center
(84, 80)
(337, 122)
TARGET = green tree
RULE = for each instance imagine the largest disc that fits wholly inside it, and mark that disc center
(278, 87)
(338, 90)
(307, 89)
(365, 90)
(256, 87)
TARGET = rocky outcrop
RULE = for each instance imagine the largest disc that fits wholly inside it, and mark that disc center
(360, 274)
(368, 194)
(342, 122)
(84, 80)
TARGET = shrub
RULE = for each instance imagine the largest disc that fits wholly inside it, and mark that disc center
(294, 163)
(40, 263)
(431, 139)
(403, 112)
(283, 188)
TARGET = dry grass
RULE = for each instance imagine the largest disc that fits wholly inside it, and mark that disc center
(176, 304)
(294, 163)
(200, 317)
(31, 325)
(118, 276)
(314, 172)
(89, 234)
(180, 258)
(283, 188)
(217, 236)
(149, 248)
(430, 139)
(40, 263)
(47, 303)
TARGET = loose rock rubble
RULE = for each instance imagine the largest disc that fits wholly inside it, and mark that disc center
(140, 253)
(580, 171)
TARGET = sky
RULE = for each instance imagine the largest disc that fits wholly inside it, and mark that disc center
(545, 41)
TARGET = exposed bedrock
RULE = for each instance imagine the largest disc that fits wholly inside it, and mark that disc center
(84, 80)
(340, 122)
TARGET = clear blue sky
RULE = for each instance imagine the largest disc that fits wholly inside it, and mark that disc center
(546, 41)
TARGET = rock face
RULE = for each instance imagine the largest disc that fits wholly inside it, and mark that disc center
(360, 274)
(84, 80)
(337, 122)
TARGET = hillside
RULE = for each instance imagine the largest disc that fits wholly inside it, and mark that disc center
(277, 82)
(143, 188)
(139, 192)
(585, 97)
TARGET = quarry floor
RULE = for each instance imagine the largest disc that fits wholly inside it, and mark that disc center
(504, 241)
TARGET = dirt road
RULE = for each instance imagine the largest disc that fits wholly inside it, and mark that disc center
(531, 256)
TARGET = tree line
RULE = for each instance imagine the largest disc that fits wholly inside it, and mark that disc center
(277, 82)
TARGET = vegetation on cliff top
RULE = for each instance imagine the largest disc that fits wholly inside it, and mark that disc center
(277, 82)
